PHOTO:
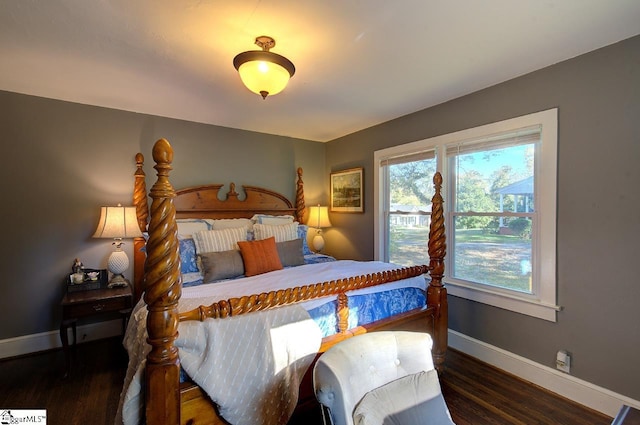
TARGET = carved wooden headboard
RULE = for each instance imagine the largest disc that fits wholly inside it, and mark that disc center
(205, 202)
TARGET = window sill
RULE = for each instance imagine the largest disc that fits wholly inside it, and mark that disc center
(529, 307)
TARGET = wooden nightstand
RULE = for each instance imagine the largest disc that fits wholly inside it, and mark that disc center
(76, 305)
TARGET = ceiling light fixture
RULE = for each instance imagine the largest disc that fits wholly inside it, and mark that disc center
(263, 72)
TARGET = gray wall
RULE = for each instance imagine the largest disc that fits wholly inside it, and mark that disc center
(61, 161)
(598, 97)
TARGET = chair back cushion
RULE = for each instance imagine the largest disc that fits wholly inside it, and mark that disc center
(352, 368)
(411, 400)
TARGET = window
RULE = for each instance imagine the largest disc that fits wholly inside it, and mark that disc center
(500, 203)
(407, 207)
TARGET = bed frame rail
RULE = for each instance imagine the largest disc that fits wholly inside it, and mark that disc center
(258, 302)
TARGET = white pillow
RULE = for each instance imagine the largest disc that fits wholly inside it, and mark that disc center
(189, 226)
(282, 233)
(219, 240)
(230, 223)
(272, 219)
(276, 221)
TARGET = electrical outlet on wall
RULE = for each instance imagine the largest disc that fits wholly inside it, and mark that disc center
(563, 361)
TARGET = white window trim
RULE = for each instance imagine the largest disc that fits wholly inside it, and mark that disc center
(543, 303)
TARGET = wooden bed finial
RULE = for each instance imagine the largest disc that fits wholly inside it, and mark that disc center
(437, 293)
(162, 293)
(300, 206)
(232, 191)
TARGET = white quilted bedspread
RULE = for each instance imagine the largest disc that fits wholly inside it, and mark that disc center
(250, 365)
(254, 379)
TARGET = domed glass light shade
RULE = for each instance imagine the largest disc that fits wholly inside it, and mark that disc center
(263, 72)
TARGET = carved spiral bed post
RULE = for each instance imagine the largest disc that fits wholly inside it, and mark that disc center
(300, 206)
(437, 293)
(142, 214)
(162, 293)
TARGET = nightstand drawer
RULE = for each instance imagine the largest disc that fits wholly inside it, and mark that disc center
(90, 308)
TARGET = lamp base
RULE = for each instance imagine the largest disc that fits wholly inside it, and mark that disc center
(318, 242)
(118, 281)
(118, 263)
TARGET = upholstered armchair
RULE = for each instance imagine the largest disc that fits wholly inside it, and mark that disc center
(380, 378)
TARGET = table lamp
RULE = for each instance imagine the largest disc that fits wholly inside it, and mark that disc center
(318, 218)
(118, 223)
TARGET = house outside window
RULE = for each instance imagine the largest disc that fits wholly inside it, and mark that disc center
(499, 183)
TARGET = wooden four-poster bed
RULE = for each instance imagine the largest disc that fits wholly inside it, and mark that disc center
(168, 399)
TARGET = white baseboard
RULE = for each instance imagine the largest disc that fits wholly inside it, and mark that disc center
(582, 392)
(27, 344)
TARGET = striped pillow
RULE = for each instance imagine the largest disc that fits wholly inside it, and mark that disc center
(219, 240)
(282, 233)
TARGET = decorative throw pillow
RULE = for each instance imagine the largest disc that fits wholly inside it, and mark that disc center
(282, 233)
(302, 234)
(222, 265)
(260, 256)
(219, 240)
(290, 253)
(188, 261)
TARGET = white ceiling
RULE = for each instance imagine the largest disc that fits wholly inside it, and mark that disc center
(358, 62)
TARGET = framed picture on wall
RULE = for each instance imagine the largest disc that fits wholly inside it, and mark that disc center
(346, 191)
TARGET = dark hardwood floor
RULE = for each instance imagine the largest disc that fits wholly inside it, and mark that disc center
(476, 393)
(88, 396)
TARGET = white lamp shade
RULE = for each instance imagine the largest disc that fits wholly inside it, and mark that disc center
(118, 223)
(319, 217)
